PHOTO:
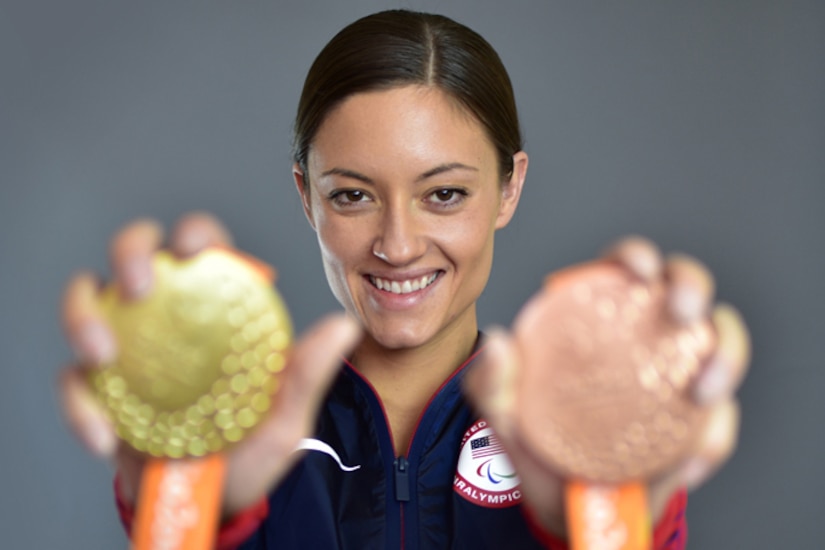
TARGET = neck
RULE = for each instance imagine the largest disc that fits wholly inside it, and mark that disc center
(405, 379)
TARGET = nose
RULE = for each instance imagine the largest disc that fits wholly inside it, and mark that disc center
(400, 240)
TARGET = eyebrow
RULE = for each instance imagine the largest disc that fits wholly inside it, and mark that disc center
(445, 168)
(347, 174)
(440, 169)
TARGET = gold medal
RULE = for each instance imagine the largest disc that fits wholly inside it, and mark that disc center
(198, 359)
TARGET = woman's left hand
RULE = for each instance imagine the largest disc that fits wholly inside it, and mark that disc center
(492, 385)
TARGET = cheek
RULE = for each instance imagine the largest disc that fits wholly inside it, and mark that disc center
(335, 248)
(335, 269)
(331, 235)
(342, 248)
(471, 246)
(474, 235)
(480, 257)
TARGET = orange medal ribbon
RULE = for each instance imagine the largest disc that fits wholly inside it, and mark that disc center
(603, 517)
(179, 504)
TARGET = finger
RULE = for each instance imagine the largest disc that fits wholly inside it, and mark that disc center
(315, 360)
(84, 415)
(638, 254)
(714, 448)
(661, 491)
(727, 367)
(87, 333)
(691, 288)
(716, 445)
(491, 384)
(196, 231)
(131, 253)
(129, 465)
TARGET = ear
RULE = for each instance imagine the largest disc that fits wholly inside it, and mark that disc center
(302, 185)
(511, 190)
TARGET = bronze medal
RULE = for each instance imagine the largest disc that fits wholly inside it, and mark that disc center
(604, 392)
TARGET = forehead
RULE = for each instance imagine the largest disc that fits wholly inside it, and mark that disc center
(410, 127)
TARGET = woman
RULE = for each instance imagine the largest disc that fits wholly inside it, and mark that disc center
(408, 158)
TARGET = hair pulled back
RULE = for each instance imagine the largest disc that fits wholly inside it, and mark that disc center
(400, 47)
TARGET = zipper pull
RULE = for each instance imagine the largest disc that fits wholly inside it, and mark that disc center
(402, 479)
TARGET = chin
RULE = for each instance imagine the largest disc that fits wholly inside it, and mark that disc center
(401, 338)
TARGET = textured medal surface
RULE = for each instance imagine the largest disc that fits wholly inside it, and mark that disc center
(198, 359)
(604, 389)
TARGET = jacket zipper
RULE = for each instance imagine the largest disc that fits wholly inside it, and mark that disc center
(402, 490)
(402, 479)
(401, 463)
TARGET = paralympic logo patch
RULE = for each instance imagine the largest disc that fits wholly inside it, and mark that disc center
(484, 475)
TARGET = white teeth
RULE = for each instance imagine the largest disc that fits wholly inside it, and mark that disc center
(403, 287)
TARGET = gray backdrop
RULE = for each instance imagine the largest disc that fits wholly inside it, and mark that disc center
(699, 124)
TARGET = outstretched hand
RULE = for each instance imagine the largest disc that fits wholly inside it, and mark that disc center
(493, 383)
(260, 460)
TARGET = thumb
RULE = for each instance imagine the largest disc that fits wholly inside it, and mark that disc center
(267, 453)
(313, 363)
(84, 415)
(492, 383)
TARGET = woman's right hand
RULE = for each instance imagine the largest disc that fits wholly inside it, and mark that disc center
(262, 459)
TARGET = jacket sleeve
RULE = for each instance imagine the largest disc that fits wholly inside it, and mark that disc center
(670, 532)
(232, 533)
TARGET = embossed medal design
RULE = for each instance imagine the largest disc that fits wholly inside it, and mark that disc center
(198, 359)
(609, 403)
(604, 396)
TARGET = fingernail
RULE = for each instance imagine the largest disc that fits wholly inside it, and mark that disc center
(694, 472)
(721, 429)
(101, 439)
(645, 266)
(713, 384)
(686, 305)
(136, 278)
(97, 344)
(191, 242)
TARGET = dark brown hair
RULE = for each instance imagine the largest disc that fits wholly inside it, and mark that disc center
(399, 47)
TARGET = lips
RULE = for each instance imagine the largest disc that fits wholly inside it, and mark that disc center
(404, 286)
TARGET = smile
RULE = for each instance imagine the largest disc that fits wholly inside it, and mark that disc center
(403, 287)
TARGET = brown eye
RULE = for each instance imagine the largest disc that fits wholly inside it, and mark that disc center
(447, 197)
(444, 195)
(349, 198)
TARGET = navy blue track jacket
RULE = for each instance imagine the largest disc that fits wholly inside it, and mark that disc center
(454, 489)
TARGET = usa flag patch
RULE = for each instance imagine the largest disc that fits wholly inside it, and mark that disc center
(484, 474)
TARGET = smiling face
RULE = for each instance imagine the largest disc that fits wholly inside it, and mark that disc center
(405, 196)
